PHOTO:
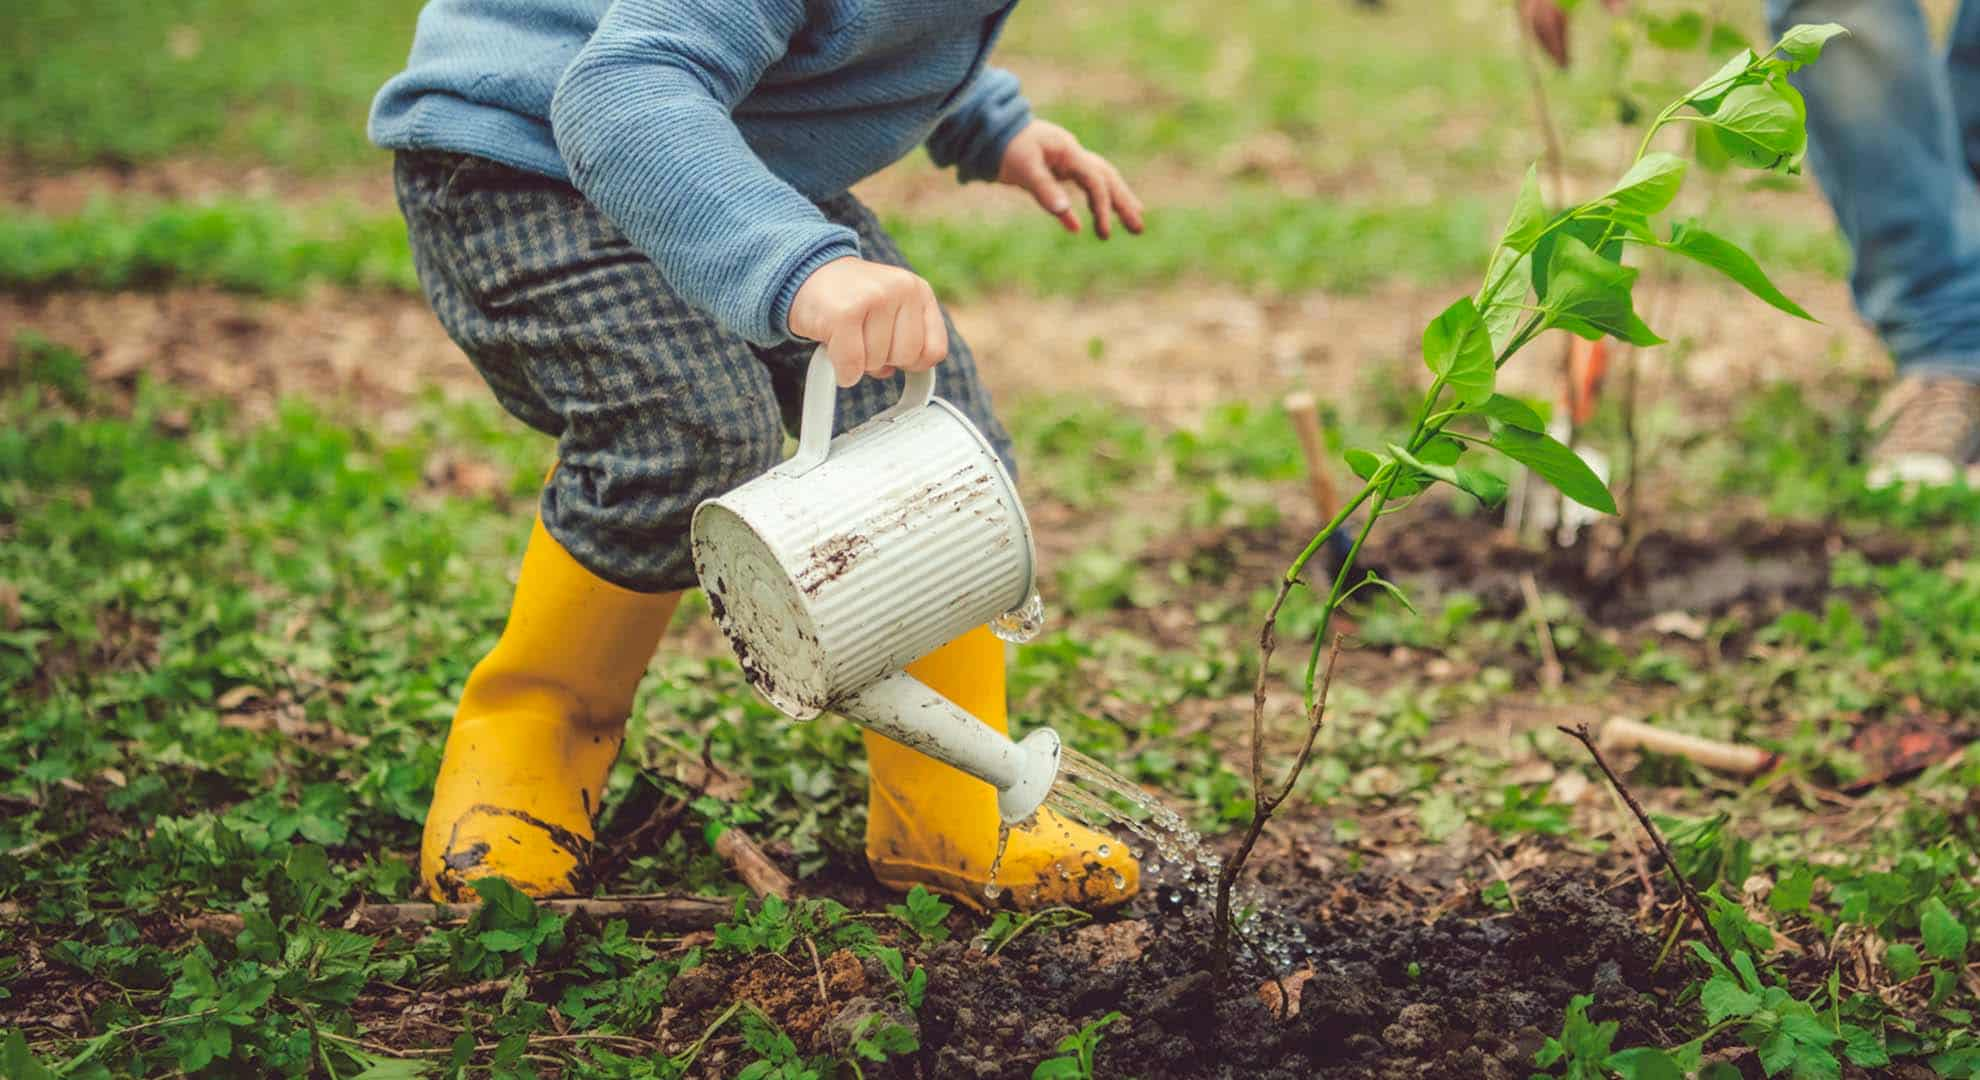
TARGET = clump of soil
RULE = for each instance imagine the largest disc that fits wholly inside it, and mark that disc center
(1374, 993)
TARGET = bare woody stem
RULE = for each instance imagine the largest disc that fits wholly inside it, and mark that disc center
(1264, 804)
(1692, 900)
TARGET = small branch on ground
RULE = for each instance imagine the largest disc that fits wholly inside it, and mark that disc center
(1551, 674)
(1620, 733)
(752, 865)
(1692, 900)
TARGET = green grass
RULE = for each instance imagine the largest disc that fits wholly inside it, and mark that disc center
(1398, 96)
(258, 80)
(1257, 241)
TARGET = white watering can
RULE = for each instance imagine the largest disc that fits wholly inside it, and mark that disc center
(861, 554)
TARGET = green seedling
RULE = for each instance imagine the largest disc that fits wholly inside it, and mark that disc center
(924, 913)
(1006, 927)
(1076, 1051)
(1560, 270)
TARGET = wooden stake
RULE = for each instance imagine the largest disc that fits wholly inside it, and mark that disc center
(1305, 414)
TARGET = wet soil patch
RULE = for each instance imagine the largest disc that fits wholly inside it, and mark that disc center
(1375, 991)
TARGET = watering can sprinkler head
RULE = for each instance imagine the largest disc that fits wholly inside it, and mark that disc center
(835, 570)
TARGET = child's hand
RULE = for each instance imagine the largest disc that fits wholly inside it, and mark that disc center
(873, 319)
(1044, 153)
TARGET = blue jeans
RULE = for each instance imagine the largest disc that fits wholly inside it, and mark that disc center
(1894, 139)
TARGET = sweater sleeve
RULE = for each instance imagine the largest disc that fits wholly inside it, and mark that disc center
(642, 120)
(980, 125)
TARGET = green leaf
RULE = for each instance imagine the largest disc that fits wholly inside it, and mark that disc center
(1481, 484)
(1590, 296)
(1706, 96)
(1792, 891)
(17, 1062)
(1722, 997)
(1802, 1024)
(1458, 349)
(1816, 1063)
(1777, 1052)
(1864, 1047)
(1510, 410)
(1903, 961)
(1388, 586)
(1945, 937)
(503, 941)
(1557, 465)
(1506, 282)
(1529, 214)
(1363, 462)
(1650, 184)
(1802, 44)
(1058, 1068)
(1645, 1063)
(1761, 127)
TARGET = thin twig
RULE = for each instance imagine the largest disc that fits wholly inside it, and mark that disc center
(1551, 675)
(1691, 898)
(824, 999)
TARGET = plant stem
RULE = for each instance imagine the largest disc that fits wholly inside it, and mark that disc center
(1691, 898)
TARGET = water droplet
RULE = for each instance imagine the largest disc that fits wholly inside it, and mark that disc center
(992, 890)
(1106, 850)
(1021, 623)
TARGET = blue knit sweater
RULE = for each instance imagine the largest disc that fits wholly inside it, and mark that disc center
(705, 129)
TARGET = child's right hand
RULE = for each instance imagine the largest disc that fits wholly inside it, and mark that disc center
(872, 318)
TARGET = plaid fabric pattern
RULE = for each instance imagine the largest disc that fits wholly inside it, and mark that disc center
(654, 406)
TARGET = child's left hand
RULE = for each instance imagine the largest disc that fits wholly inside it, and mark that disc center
(1044, 153)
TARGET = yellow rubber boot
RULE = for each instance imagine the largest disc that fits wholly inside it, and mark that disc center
(930, 824)
(537, 729)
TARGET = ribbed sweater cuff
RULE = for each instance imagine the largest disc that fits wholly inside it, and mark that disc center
(779, 316)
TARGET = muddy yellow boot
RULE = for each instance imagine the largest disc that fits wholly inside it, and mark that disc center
(930, 824)
(537, 730)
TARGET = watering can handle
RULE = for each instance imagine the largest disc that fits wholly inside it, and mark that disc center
(821, 396)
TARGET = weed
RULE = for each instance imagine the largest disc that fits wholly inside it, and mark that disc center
(924, 913)
(1075, 1057)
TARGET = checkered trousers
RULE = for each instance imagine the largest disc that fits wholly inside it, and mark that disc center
(653, 405)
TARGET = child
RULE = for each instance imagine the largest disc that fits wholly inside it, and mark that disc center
(633, 216)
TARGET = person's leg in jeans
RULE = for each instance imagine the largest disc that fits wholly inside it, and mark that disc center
(1885, 143)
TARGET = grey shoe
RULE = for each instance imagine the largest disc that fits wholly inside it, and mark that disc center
(1930, 433)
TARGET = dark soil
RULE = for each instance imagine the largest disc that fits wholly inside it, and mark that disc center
(1757, 568)
(1377, 991)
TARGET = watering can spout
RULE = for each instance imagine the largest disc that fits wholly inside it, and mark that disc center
(907, 711)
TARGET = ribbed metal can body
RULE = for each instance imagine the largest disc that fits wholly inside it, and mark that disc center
(908, 533)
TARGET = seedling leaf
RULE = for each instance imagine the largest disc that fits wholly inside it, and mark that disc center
(1529, 214)
(1590, 296)
(1706, 96)
(1726, 257)
(1650, 185)
(1511, 411)
(1760, 126)
(1458, 348)
(1557, 465)
(1802, 44)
